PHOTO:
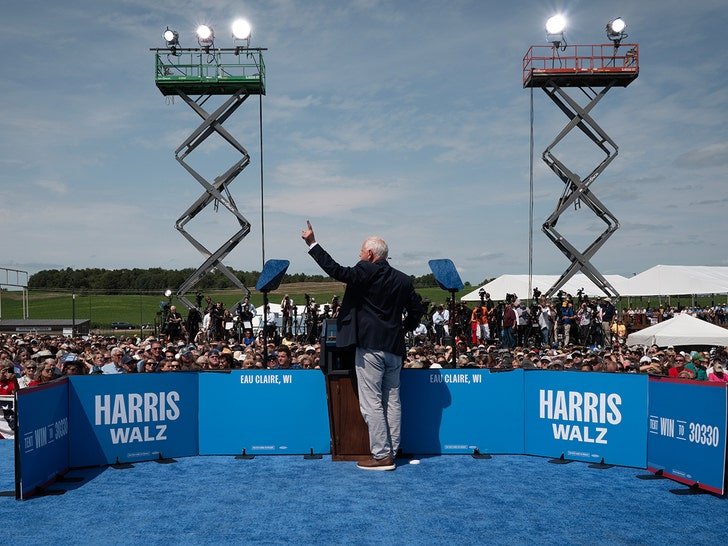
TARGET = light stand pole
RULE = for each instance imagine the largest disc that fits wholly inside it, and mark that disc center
(73, 327)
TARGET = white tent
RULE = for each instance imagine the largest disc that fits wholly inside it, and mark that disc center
(680, 330)
(275, 308)
(518, 285)
(671, 280)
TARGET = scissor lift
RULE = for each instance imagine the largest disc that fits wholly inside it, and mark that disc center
(554, 68)
(202, 73)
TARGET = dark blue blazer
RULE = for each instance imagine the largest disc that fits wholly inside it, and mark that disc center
(376, 295)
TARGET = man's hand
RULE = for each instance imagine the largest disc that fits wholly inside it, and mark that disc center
(307, 234)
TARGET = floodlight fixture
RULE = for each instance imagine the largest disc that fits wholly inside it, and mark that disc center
(205, 36)
(241, 29)
(171, 37)
(556, 24)
(615, 30)
(241, 33)
(555, 27)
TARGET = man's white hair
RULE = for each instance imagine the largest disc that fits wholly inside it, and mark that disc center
(378, 247)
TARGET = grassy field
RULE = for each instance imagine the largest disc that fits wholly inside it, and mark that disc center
(138, 309)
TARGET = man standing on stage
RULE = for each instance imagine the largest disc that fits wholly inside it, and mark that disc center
(370, 319)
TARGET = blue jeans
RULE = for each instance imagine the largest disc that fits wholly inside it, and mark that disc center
(545, 336)
(508, 339)
(377, 374)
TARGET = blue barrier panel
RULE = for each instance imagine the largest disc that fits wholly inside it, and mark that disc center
(264, 412)
(43, 438)
(135, 417)
(687, 431)
(458, 411)
(587, 416)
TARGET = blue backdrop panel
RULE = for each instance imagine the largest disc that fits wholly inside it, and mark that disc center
(132, 417)
(687, 428)
(263, 412)
(42, 437)
(587, 416)
(457, 411)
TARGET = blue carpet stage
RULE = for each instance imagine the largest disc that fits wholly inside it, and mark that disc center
(452, 499)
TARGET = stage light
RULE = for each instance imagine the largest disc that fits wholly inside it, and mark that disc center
(205, 36)
(171, 37)
(615, 30)
(556, 24)
(555, 27)
(241, 29)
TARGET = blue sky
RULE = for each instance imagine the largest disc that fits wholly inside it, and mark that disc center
(398, 118)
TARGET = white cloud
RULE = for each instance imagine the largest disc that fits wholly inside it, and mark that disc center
(53, 186)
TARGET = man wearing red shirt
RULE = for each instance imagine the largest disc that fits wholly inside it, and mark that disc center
(8, 381)
(679, 366)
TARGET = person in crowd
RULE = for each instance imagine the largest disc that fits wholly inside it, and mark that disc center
(169, 355)
(523, 330)
(420, 333)
(567, 320)
(607, 312)
(544, 321)
(73, 367)
(46, 372)
(8, 379)
(510, 321)
(193, 323)
(213, 359)
(439, 322)
(718, 375)
(677, 366)
(370, 319)
(696, 367)
(584, 318)
(175, 324)
(149, 365)
(287, 316)
(248, 337)
(170, 366)
(283, 357)
(479, 319)
(186, 359)
(115, 365)
(29, 370)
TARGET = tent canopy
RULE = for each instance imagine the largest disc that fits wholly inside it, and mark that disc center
(680, 330)
(518, 285)
(660, 280)
(673, 280)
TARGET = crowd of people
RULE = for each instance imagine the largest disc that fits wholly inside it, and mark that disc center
(562, 334)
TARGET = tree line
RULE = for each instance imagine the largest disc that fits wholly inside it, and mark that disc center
(116, 281)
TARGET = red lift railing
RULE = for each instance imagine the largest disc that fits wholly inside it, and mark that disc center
(581, 65)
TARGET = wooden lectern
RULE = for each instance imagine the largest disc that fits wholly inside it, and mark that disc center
(349, 433)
